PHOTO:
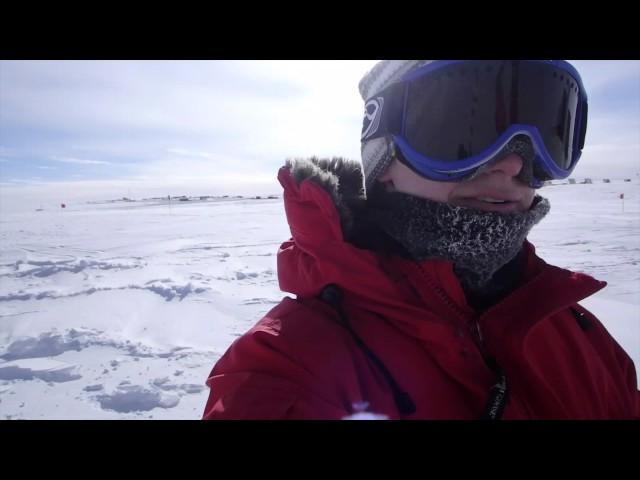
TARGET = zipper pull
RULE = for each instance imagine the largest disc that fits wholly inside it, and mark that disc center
(478, 333)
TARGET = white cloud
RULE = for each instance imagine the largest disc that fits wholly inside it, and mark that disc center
(257, 112)
(615, 147)
(203, 97)
(24, 181)
(79, 161)
(598, 75)
(7, 153)
(189, 153)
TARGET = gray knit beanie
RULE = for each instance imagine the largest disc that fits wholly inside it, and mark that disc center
(377, 153)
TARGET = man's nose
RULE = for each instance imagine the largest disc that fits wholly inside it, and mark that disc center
(511, 165)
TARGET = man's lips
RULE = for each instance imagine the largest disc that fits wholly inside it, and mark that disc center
(492, 201)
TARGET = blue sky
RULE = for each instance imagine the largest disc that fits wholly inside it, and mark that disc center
(215, 126)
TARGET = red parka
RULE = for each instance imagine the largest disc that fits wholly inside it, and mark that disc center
(390, 329)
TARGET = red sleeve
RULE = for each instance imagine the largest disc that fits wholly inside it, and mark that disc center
(259, 378)
(632, 381)
(618, 360)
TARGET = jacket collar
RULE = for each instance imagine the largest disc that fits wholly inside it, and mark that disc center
(320, 198)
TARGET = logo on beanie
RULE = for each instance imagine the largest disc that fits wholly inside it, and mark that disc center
(372, 114)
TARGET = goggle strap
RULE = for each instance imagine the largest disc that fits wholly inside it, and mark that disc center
(388, 114)
(583, 125)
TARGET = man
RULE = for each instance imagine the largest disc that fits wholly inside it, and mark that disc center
(423, 299)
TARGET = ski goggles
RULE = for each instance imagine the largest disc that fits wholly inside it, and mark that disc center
(451, 117)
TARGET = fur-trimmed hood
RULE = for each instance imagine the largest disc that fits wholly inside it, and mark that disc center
(342, 179)
(322, 198)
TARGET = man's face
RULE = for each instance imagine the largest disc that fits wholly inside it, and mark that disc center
(496, 189)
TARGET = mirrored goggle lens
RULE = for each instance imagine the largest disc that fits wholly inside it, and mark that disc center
(459, 110)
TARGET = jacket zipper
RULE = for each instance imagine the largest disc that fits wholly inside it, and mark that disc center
(498, 393)
(471, 325)
(435, 287)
